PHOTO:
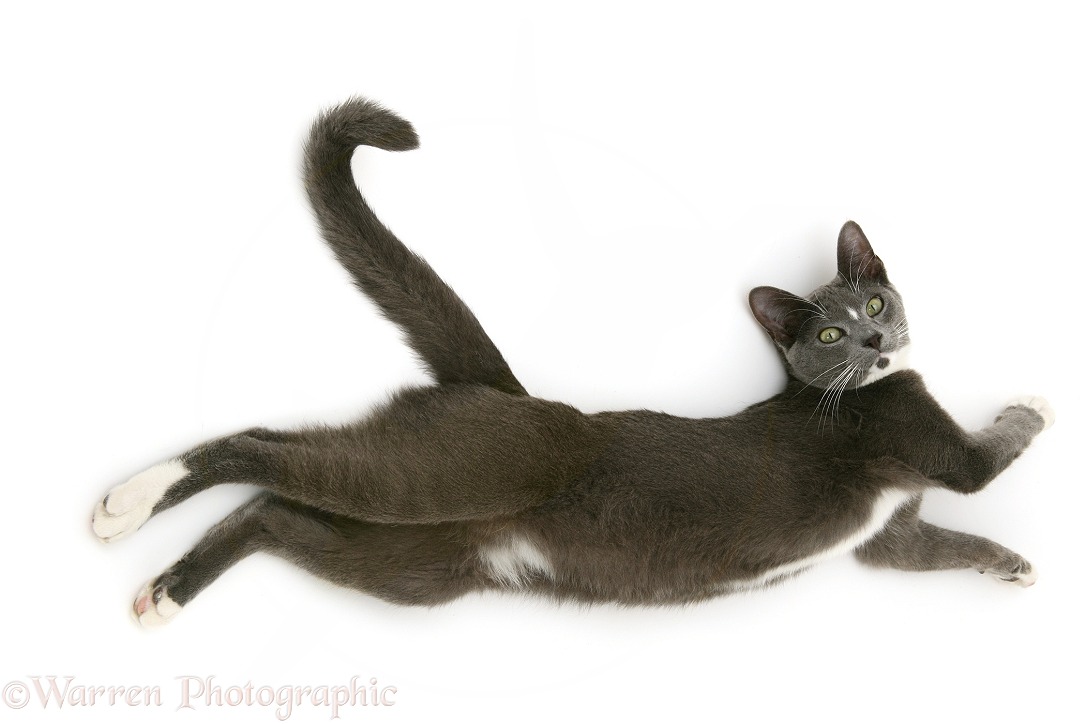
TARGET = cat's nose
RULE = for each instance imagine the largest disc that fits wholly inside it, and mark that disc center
(874, 341)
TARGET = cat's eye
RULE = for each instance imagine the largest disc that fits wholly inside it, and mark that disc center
(829, 335)
(874, 306)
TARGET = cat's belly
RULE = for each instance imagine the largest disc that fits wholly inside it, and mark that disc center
(512, 558)
(630, 572)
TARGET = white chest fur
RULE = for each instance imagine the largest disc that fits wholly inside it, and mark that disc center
(898, 361)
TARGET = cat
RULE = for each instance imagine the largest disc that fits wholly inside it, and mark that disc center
(472, 484)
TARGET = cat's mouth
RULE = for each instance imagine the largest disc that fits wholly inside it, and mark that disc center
(883, 363)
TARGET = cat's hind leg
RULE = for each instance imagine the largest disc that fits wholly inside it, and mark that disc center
(910, 544)
(405, 564)
(430, 455)
(126, 507)
(255, 456)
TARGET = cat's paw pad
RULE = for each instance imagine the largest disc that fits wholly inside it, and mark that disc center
(1037, 404)
(153, 605)
(1020, 573)
(128, 506)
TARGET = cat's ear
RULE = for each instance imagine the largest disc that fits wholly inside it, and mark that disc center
(855, 258)
(782, 314)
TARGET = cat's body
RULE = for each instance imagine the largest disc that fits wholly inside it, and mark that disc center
(472, 484)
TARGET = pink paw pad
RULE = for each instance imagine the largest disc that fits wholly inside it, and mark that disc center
(153, 606)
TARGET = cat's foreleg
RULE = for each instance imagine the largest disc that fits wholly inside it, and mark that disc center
(966, 462)
(406, 564)
(910, 544)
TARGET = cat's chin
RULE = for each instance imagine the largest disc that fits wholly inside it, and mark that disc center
(887, 364)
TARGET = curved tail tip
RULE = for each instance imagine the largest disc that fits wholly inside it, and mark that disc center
(361, 121)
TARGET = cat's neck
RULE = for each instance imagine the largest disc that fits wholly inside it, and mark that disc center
(872, 393)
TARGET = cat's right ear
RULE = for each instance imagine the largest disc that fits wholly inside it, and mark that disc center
(856, 259)
(782, 314)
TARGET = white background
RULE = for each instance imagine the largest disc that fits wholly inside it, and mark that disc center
(603, 185)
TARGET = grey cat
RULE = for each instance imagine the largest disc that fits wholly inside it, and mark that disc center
(472, 484)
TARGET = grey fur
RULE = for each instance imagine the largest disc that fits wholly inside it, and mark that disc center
(636, 507)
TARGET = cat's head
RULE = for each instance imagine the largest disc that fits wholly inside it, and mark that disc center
(845, 334)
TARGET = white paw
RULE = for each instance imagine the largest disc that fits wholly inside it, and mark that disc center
(153, 606)
(1025, 580)
(1037, 404)
(128, 506)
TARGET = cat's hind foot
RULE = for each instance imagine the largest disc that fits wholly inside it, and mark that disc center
(153, 605)
(128, 506)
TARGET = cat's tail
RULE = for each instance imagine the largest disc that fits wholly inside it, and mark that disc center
(439, 326)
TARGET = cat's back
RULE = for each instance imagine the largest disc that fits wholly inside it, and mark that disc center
(764, 444)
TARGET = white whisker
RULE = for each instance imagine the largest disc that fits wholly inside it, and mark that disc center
(831, 369)
(832, 396)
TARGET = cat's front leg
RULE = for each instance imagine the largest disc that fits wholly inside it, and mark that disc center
(970, 461)
(910, 544)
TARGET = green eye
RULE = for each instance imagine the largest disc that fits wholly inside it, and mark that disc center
(874, 306)
(829, 335)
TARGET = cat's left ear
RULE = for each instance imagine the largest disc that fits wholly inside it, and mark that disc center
(855, 258)
(780, 313)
